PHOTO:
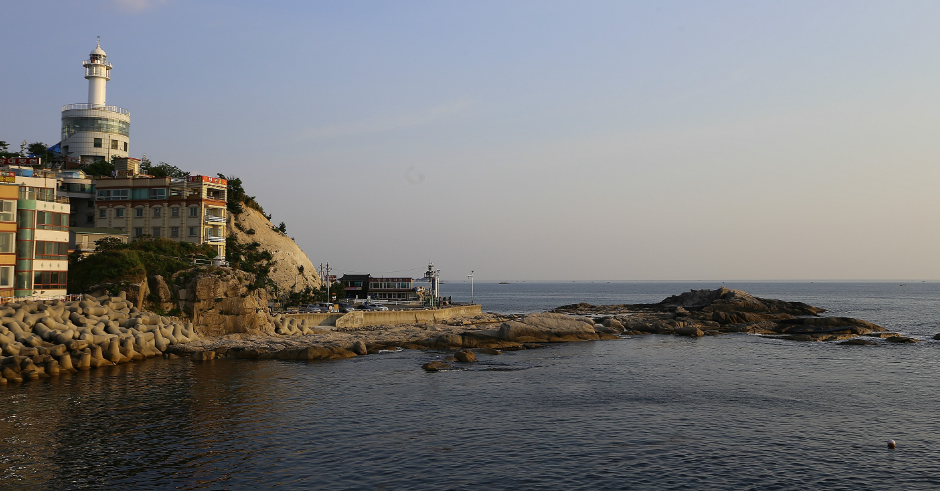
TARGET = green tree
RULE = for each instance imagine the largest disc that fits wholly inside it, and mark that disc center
(40, 150)
(107, 244)
(101, 168)
(236, 194)
(5, 150)
(238, 197)
(282, 228)
(164, 169)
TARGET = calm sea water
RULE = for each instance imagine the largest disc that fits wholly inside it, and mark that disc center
(653, 412)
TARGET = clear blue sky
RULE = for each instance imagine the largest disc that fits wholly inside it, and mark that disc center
(530, 139)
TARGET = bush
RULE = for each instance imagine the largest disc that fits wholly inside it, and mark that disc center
(132, 263)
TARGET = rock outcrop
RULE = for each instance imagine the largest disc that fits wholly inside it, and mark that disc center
(251, 226)
(221, 302)
(708, 312)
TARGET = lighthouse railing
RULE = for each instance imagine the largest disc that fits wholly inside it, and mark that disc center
(114, 109)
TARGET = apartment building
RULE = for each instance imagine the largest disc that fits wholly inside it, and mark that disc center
(190, 209)
(80, 191)
(42, 234)
(9, 193)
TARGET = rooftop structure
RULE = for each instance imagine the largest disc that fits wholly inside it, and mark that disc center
(94, 130)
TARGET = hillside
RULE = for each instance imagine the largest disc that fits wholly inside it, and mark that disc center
(251, 226)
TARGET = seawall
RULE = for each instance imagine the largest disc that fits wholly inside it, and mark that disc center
(385, 318)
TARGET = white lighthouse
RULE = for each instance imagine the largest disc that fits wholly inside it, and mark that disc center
(95, 130)
(98, 72)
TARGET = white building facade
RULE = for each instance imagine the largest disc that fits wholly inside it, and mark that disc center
(95, 130)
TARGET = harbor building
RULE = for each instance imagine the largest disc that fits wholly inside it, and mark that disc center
(188, 209)
(399, 289)
(364, 286)
(94, 130)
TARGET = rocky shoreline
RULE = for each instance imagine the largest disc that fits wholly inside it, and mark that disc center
(42, 339)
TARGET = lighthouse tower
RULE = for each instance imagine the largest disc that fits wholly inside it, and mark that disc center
(95, 131)
(98, 72)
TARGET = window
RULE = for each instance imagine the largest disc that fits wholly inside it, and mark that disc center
(175, 211)
(50, 280)
(7, 211)
(6, 276)
(156, 232)
(138, 231)
(89, 219)
(106, 194)
(119, 213)
(114, 144)
(103, 213)
(51, 221)
(138, 212)
(174, 231)
(97, 142)
(194, 211)
(7, 240)
(125, 146)
(51, 250)
(158, 193)
(193, 231)
(156, 212)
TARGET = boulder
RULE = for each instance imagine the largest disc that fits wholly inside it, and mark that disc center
(435, 366)
(359, 348)
(547, 327)
(691, 331)
(465, 356)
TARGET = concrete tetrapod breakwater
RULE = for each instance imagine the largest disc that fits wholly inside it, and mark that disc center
(42, 338)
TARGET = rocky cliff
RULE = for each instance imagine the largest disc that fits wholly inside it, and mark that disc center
(251, 226)
(221, 301)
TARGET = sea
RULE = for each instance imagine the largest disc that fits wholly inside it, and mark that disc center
(732, 412)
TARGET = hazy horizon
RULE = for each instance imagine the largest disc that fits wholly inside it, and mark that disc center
(530, 139)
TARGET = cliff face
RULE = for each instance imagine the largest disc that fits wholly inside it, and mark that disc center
(221, 302)
(288, 256)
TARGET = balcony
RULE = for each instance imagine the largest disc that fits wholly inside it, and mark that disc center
(113, 109)
(214, 219)
(215, 238)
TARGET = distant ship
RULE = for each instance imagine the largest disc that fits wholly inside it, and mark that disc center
(504, 283)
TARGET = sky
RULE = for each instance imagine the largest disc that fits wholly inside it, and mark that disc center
(529, 140)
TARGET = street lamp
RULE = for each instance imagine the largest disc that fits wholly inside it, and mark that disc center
(471, 286)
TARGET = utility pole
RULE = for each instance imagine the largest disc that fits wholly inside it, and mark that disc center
(328, 282)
